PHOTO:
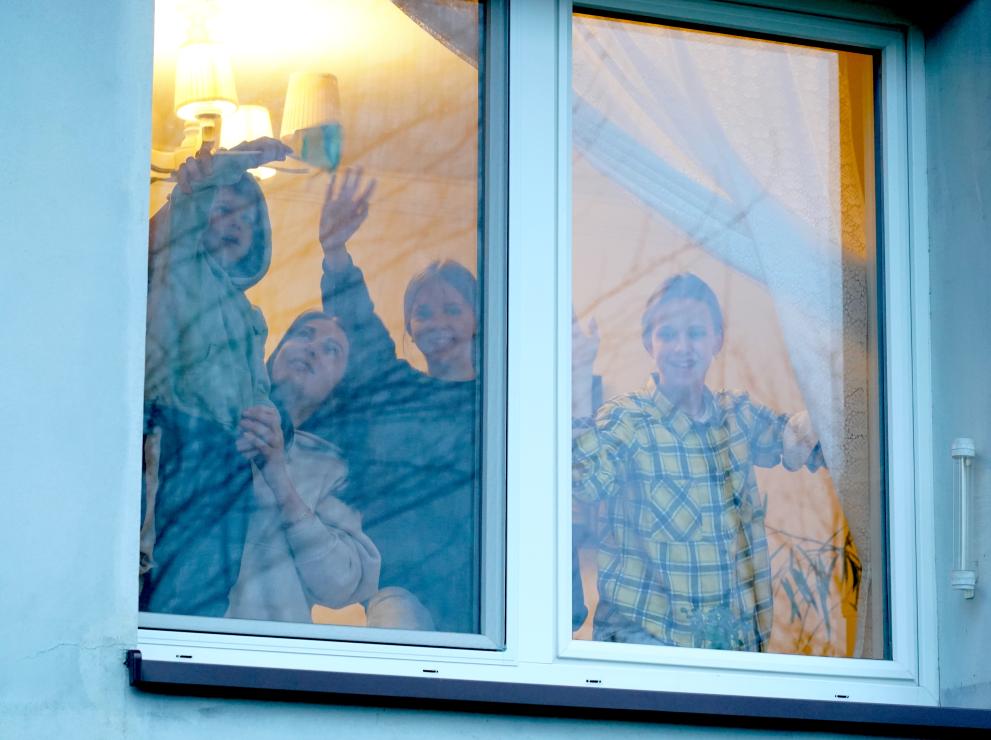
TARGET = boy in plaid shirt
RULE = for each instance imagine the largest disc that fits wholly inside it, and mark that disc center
(683, 558)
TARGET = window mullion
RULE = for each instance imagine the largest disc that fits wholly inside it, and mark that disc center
(533, 330)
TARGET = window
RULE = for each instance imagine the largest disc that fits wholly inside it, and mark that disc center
(317, 351)
(769, 159)
(726, 251)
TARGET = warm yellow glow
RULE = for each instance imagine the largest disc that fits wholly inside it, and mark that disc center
(248, 122)
(262, 173)
(371, 46)
(204, 81)
(409, 115)
(265, 32)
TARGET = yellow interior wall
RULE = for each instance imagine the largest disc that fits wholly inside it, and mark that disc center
(409, 110)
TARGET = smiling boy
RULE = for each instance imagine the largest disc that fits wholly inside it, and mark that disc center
(683, 559)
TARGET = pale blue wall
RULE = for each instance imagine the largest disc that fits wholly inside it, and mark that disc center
(958, 60)
(73, 210)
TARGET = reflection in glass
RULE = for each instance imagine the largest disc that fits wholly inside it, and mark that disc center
(726, 442)
(312, 426)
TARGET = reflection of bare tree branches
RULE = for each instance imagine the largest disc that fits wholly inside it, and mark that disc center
(200, 520)
(451, 148)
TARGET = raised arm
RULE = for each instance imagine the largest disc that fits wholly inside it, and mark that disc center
(584, 350)
(179, 222)
(343, 287)
(598, 444)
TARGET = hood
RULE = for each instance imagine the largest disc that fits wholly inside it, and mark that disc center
(194, 209)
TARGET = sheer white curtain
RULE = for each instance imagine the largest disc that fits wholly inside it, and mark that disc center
(656, 110)
(455, 23)
(754, 181)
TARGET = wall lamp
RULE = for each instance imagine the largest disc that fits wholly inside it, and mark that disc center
(204, 86)
(206, 98)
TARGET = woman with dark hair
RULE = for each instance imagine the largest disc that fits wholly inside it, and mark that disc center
(304, 546)
(411, 438)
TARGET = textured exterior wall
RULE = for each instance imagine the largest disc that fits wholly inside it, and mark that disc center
(958, 95)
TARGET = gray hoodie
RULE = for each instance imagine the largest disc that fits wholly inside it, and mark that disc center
(205, 341)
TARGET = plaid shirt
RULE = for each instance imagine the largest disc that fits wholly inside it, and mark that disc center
(683, 558)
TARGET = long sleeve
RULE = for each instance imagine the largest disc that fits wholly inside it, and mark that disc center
(337, 563)
(345, 296)
(204, 339)
(598, 452)
(324, 558)
(765, 428)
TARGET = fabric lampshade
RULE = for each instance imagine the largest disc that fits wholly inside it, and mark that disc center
(312, 99)
(204, 82)
(311, 119)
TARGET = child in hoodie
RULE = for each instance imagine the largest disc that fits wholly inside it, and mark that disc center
(203, 366)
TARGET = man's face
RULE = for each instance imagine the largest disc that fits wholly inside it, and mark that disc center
(312, 360)
(683, 342)
(231, 227)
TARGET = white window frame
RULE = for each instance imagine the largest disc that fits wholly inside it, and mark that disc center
(491, 547)
(906, 373)
(538, 648)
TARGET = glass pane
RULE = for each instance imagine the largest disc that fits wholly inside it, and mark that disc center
(727, 447)
(312, 441)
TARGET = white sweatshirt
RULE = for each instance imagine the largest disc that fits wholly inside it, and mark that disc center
(323, 559)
